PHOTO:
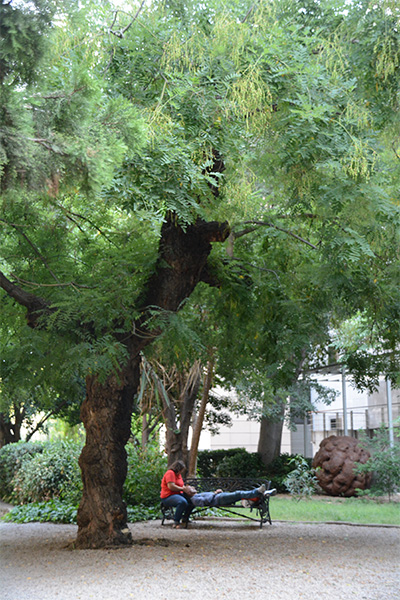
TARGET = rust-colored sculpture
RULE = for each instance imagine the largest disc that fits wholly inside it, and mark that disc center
(337, 457)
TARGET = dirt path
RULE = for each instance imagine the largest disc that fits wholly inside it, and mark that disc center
(239, 561)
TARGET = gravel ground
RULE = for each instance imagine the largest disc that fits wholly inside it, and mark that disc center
(211, 559)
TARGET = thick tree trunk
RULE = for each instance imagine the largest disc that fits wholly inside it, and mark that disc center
(269, 443)
(176, 446)
(106, 414)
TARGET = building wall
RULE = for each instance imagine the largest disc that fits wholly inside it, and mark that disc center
(242, 434)
(363, 410)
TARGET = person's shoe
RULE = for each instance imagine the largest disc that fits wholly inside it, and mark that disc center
(270, 492)
(261, 489)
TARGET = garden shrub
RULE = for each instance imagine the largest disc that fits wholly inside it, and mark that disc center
(12, 457)
(384, 463)
(58, 511)
(235, 462)
(145, 470)
(53, 473)
(54, 511)
(280, 468)
(242, 464)
(301, 481)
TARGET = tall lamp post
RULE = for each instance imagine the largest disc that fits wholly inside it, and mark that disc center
(344, 400)
(390, 411)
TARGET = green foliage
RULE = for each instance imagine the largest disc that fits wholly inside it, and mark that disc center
(301, 482)
(143, 512)
(102, 135)
(36, 472)
(241, 464)
(58, 511)
(236, 462)
(384, 463)
(279, 469)
(12, 458)
(53, 473)
(145, 470)
(55, 511)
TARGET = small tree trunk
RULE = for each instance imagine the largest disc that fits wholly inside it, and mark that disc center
(177, 435)
(106, 414)
(200, 419)
(145, 432)
(11, 432)
(175, 446)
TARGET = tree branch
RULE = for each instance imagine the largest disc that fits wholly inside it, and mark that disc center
(61, 95)
(267, 224)
(121, 33)
(59, 284)
(68, 214)
(47, 144)
(44, 419)
(36, 250)
(36, 306)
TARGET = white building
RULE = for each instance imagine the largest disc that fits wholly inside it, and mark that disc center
(350, 412)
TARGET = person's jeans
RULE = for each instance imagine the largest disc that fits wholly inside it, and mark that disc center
(226, 498)
(183, 507)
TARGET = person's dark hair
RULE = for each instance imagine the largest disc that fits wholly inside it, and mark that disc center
(178, 466)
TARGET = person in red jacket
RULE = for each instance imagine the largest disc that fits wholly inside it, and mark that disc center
(173, 490)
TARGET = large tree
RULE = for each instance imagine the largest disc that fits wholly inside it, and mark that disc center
(124, 156)
(75, 257)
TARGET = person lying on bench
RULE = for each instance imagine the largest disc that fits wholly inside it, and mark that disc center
(220, 498)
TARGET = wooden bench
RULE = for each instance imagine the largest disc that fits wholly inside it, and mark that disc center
(228, 484)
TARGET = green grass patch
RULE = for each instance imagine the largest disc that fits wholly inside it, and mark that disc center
(347, 510)
(352, 510)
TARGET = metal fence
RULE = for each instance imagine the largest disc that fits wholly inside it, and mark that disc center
(331, 422)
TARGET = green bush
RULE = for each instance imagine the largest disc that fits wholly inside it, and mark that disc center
(53, 473)
(301, 482)
(242, 464)
(279, 469)
(12, 457)
(57, 511)
(145, 470)
(384, 463)
(143, 513)
(236, 462)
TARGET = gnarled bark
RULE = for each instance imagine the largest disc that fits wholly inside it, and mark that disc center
(106, 414)
(107, 410)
